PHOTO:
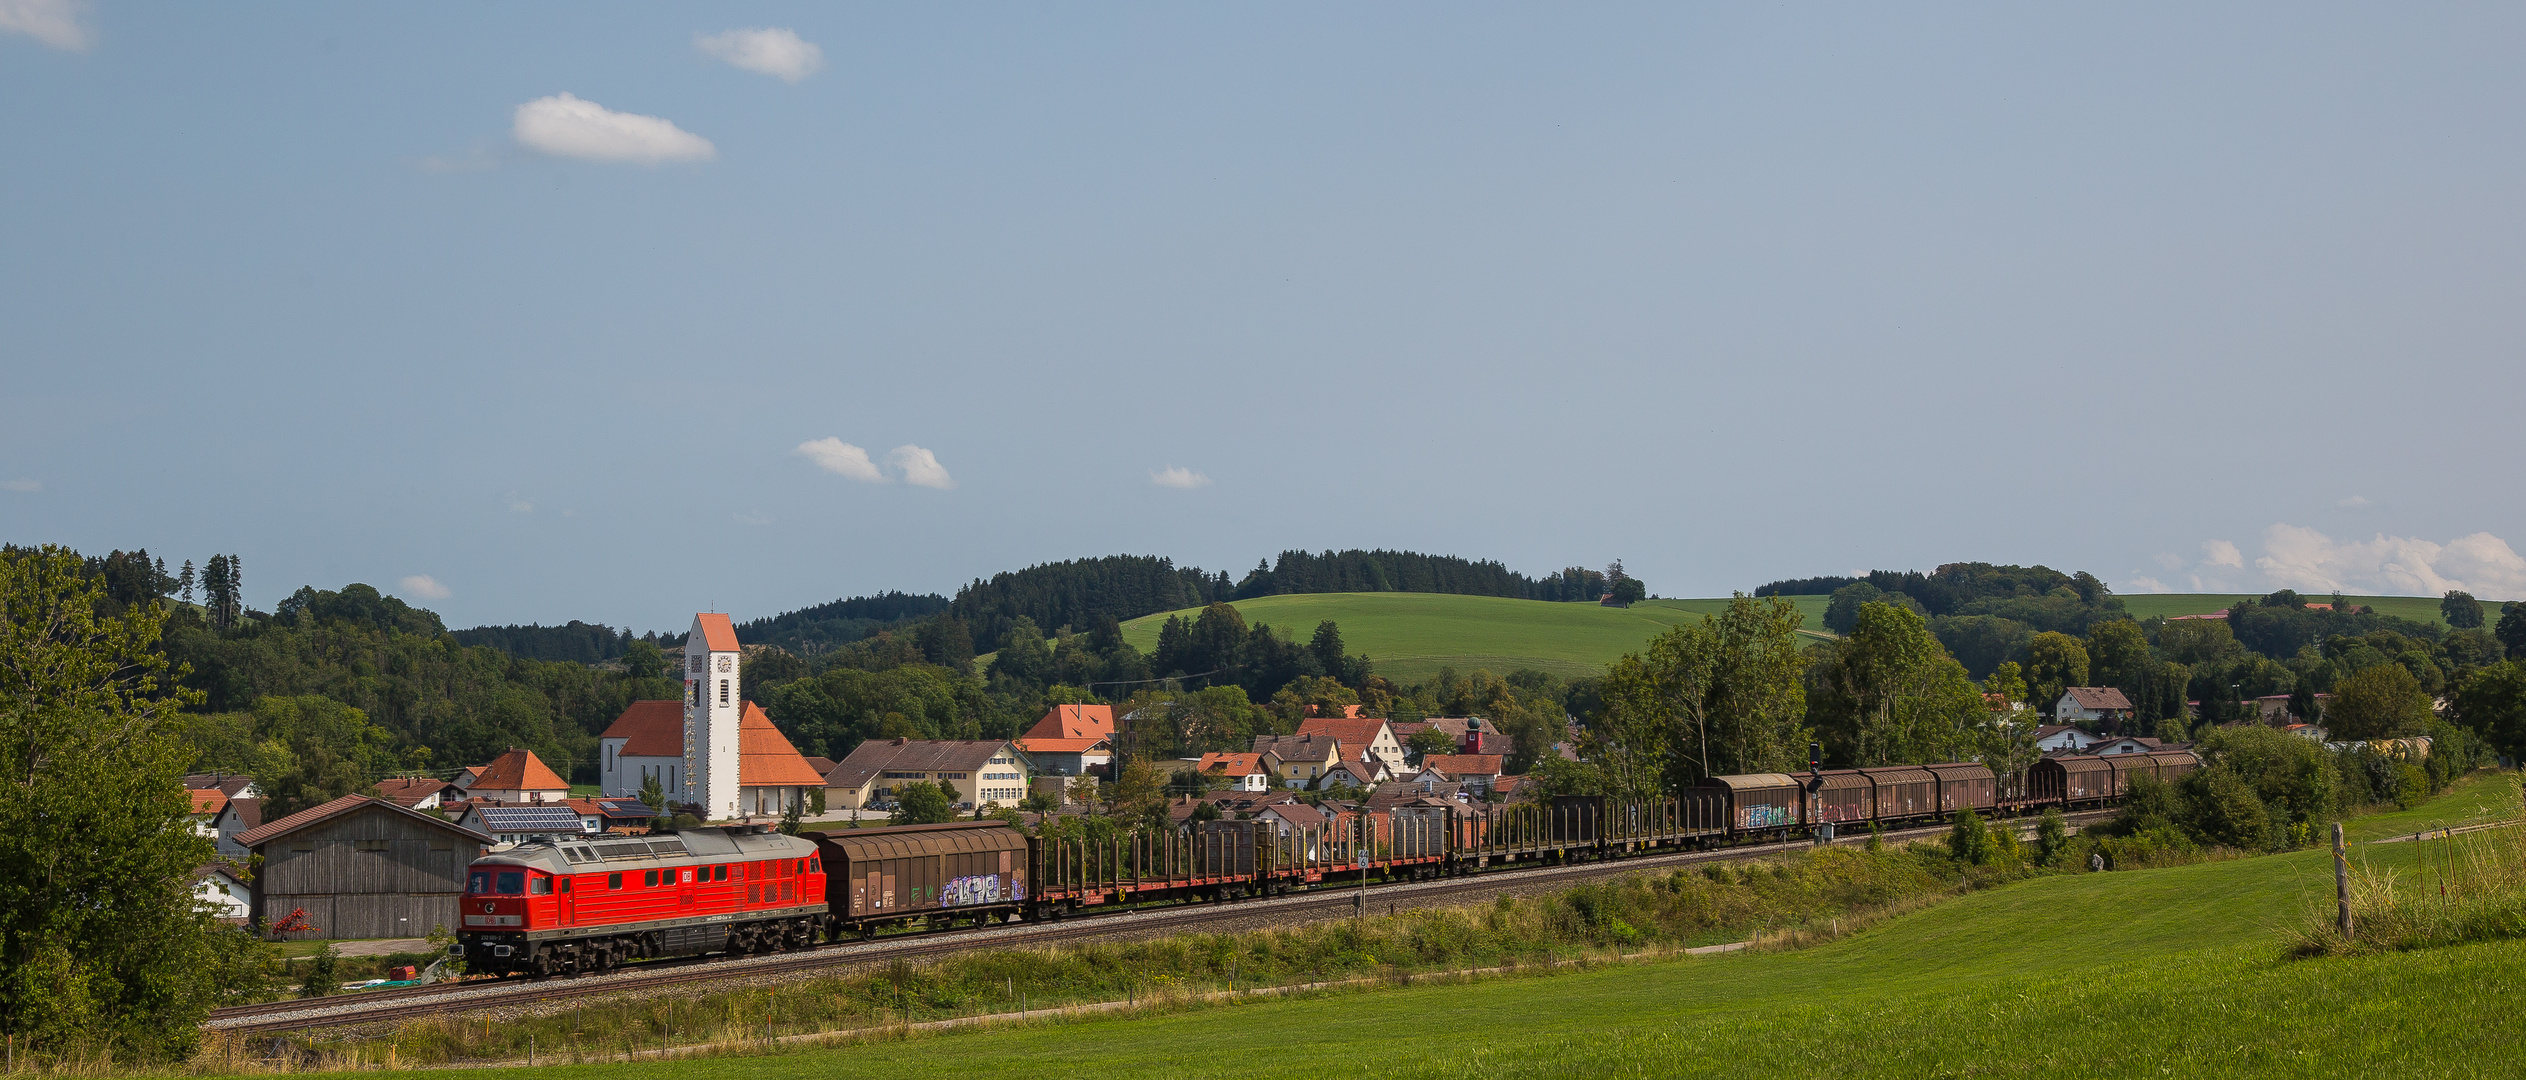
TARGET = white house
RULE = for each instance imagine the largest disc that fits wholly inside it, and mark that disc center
(1244, 772)
(2051, 737)
(218, 890)
(2125, 745)
(2092, 707)
(518, 776)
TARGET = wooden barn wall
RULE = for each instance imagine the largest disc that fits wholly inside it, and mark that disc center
(375, 873)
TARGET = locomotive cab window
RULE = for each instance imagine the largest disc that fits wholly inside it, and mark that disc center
(565, 884)
(540, 886)
(815, 865)
(508, 882)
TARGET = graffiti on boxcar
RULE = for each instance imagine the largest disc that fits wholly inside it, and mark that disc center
(978, 889)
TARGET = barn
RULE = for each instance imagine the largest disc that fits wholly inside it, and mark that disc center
(363, 867)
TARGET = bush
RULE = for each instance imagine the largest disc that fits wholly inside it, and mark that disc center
(1968, 840)
(322, 976)
(2052, 836)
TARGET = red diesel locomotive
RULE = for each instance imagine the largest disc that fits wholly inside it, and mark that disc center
(590, 903)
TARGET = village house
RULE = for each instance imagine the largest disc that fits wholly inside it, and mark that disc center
(220, 889)
(235, 816)
(518, 776)
(1299, 760)
(2052, 737)
(2126, 744)
(1357, 774)
(1363, 737)
(419, 793)
(1243, 772)
(523, 824)
(1472, 772)
(207, 803)
(1070, 741)
(2093, 708)
(981, 772)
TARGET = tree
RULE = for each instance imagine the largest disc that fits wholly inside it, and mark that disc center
(2377, 702)
(222, 580)
(2512, 628)
(101, 945)
(2118, 656)
(644, 660)
(2460, 610)
(1429, 741)
(922, 802)
(652, 794)
(1710, 698)
(2054, 663)
(1841, 613)
(1136, 794)
(2493, 705)
(1889, 693)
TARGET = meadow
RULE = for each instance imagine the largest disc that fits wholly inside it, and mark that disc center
(1411, 636)
(2175, 971)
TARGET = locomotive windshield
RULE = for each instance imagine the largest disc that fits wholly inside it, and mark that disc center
(505, 883)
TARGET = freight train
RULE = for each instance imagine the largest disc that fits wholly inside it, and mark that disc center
(579, 904)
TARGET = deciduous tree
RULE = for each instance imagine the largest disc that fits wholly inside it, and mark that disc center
(2377, 702)
(2054, 663)
(101, 944)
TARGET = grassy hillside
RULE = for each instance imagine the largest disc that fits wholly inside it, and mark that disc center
(2136, 973)
(1412, 635)
(2416, 608)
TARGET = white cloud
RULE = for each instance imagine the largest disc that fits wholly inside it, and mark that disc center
(2149, 584)
(425, 587)
(2170, 560)
(2301, 558)
(53, 22)
(519, 503)
(835, 456)
(2353, 503)
(567, 126)
(775, 51)
(920, 467)
(2222, 553)
(27, 486)
(1177, 477)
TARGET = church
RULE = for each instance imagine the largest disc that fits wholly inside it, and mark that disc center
(712, 749)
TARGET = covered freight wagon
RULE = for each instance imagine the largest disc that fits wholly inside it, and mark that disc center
(2071, 779)
(1904, 791)
(1964, 785)
(1840, 795)
(1759, 800)
(966, 868)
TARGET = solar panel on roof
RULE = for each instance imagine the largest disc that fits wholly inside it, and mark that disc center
(508, 819)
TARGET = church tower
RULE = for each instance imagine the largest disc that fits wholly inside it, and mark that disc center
(712, 712)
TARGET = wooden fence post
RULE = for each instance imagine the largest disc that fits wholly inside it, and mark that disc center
(2341, 882)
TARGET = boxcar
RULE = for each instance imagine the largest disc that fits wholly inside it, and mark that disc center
(1759, 801)
(974, 869)
(2175, 763)
(1963, 785)
(1842, 795)
(2071, 780)
(1904, 791)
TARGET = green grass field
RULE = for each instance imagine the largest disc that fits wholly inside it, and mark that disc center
(1411, 636)
(2140, 973)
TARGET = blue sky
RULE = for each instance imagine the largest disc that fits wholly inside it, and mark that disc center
(895, 297)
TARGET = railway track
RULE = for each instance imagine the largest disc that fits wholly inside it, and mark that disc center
(375, 1006)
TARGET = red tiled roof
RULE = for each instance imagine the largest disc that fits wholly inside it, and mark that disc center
(717, 635)
(765, 757)
(519, 770)
(650, 729)
(1074, 722)
(2099, 697)
(1059, 746)
(207, 800)
(408, 791)
(270, 831)
(1463, 765)
(1360, 733)
(1231, 764)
